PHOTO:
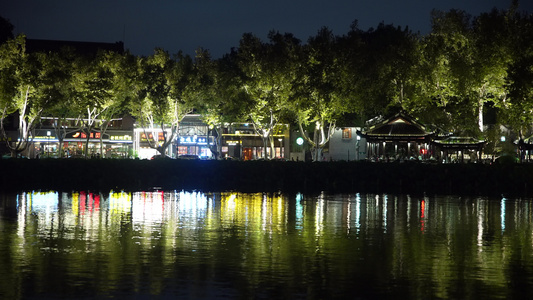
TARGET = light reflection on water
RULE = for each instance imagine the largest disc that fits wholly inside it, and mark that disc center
(234, 245)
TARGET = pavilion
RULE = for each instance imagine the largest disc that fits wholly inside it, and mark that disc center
(398, 137)
(455, 148)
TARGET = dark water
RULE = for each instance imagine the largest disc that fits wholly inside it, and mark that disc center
(179, 245)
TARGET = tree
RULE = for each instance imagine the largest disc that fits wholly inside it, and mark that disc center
(470, 60)
(221, 94)
(389, 66)
(96, 102)
(63, 66)
(160, 97)
(317, 101)
(267, 73)
(28, 86)
(518, 107)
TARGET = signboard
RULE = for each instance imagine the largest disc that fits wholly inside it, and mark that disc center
(193, 140)
(83, 135)
(151, 137)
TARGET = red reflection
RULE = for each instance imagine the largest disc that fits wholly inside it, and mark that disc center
(89, 202)
(422, 215)
(83, 198)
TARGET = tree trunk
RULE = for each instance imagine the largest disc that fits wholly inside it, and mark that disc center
(480, 114)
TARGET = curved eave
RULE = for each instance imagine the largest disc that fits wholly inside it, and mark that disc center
(395, 137)
(476, 145)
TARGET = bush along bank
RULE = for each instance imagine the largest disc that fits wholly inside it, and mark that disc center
(266, 176)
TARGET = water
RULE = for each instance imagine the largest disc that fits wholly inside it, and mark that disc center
(180, 245)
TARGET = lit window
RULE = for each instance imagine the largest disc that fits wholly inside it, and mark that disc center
(347, 133)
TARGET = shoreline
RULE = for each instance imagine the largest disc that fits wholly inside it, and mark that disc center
(266, 176)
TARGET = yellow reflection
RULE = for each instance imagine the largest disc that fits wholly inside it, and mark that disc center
(119, 203)
(256, 212)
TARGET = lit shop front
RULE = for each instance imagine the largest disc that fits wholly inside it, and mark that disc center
(112, 144)
(195, 145)
(244, 144)
(142, 139)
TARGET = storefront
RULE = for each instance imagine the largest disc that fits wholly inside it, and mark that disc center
(112, 144)
(144, 140)
(194, 145)
(240, 141)
(193, 137)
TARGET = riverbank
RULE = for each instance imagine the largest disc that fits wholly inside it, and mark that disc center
(266, 176)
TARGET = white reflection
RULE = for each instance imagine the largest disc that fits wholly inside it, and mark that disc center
(148, 207)
(385, 203)
(480, 217)
(358, 212)
(46, 202)
(264, 210)
(299, 211)
(408, 212)
(319, 214)
(193, 204)
(502, 215)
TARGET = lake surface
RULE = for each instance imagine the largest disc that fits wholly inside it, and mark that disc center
(182, 245)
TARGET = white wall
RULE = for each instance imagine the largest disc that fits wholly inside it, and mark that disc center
(346, 148)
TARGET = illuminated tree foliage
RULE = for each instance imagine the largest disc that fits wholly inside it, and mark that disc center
(267, 74)
(222, 95)
(518, 107)
(318, 101)
(161, 99)
(64, 65)
(28, 85)
(469, 60)
(390, 60)
(449, 78)
(96, 103)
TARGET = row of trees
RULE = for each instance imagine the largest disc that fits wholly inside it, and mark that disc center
(447, 78)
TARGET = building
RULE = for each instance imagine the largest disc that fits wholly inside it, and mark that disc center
(194, 137)
(398, 137)
(240, 141)
(114, 142)
(346, 145)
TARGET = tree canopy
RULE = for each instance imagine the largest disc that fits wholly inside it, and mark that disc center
(447, 78)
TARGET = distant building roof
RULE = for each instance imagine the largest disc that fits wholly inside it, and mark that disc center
(85, 48)
(400, 127)
(459, 143)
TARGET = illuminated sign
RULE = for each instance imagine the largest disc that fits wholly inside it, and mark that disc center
(83, 135)
(120, 137)
(193, 140)
(151, 137)
(300, 141)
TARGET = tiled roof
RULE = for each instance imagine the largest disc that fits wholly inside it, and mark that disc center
(398, 125)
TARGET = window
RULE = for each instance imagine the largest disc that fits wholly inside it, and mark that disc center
(347, 133)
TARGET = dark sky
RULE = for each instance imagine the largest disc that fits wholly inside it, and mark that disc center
(217, 25)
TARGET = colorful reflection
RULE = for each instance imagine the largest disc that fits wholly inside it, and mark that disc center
(257, 245)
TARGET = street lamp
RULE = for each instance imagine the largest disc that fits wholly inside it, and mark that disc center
(357, 147)
(280, 147)
(48, 143)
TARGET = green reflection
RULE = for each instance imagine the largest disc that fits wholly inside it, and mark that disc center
(196, 245)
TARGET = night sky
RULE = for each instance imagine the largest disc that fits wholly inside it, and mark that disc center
(217, 25)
